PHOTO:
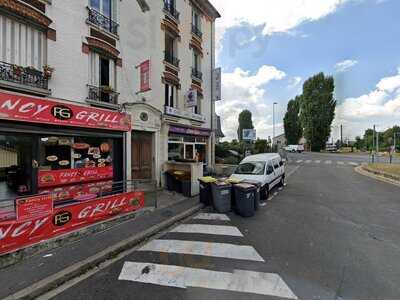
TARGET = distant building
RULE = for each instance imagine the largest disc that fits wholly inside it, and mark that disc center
(279, 140)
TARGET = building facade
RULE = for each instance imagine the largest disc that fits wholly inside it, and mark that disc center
(174, 41)
(102, 91)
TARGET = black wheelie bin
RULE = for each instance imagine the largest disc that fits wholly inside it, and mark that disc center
(244, 199)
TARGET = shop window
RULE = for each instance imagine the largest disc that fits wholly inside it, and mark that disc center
(74, 153)
(200, 153)
(15, 166)
(189, 154)
(175, 151)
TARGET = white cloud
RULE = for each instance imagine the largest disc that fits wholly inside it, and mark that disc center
(345, 65)
(276, 16)
(380, 106)
(243, 90)
(294, 82)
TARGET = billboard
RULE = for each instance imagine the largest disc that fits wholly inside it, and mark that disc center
(249, 134)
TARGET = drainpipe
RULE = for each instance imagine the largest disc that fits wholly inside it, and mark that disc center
(212, 140)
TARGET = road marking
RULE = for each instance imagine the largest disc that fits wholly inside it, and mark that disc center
(299, 161)
(308, 161)
(208, 229)
(353, 163)
(207, 216)
(230, 251)
(340, 163)
(182, 277)
(317, 161)
(328, 162)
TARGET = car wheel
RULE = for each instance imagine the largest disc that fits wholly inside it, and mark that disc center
(282, 182)
(265, 193)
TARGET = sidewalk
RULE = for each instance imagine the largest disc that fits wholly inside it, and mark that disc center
(76, 258)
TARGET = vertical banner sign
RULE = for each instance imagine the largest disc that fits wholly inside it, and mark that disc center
(191, 98)
(145, 76)
(217, 84)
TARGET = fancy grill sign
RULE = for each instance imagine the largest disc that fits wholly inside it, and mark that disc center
(29, 109)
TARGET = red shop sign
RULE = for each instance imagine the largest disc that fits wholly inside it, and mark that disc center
(34, 207)
(15, 235)
(145, 76)
(70, 176)
(29, 109)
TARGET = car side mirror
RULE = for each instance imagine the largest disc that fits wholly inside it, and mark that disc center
(281, 163)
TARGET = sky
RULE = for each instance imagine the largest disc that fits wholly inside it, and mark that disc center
(268, 48)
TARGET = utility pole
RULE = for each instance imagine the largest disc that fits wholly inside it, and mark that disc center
(373, 144)
(341, 135)
(273, 120)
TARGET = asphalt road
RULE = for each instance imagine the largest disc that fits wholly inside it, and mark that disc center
(329, 234)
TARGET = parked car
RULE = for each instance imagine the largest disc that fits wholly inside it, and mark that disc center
(268, 169)
(295, 148)
(330, 147)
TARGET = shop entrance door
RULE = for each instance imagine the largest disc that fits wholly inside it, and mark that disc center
(142, 155)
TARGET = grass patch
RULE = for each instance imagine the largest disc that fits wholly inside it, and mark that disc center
(388, 168)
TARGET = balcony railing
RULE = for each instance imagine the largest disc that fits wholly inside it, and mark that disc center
(196, 30)
(170, 8)
(102, 95)
(197, 74)
(170, 58)
(23, 76)
(102, 21)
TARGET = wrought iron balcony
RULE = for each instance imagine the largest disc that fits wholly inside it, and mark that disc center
(197, 74)
(102, 21)
(170, 8)
(23, 76)
(102, 95)
(170, 58)
(196, 30)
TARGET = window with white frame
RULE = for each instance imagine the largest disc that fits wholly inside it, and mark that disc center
(105, 7)
(22, 44)
(171, 95)
(102, 77)
(196, 20)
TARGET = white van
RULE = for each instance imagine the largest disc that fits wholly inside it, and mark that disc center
(295, 148)
(268, 169)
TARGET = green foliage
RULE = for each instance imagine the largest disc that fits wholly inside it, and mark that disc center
(292, 124)
(386, 139)
(317, 110)
(231, 160)
(245, 122)
(261, 146)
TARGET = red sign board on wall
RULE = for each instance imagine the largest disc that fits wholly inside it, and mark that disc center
(34, 207)
(29, 109)
(145, 76)
(18, 234)
(70, 176)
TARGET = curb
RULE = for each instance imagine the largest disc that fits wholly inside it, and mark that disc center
(381, 176)
(55, 280)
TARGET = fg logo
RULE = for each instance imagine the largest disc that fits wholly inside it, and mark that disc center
(62, 112)
(62, 218)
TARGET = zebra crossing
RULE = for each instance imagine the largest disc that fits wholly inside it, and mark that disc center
(203, 230)
(324, 162)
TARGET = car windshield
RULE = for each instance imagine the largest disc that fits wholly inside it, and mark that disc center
(251, 168)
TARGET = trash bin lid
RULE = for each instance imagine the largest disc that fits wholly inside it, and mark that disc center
(222, 184)
(207, 179)
(233, 181)
(244, 186)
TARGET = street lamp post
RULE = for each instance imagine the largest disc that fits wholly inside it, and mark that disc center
(273, 120)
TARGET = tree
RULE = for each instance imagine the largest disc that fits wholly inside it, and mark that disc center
(291, 122)
(261, 146)
(317, 110)
(245, 122)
